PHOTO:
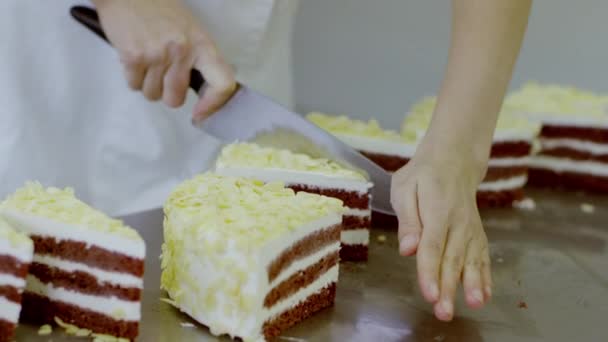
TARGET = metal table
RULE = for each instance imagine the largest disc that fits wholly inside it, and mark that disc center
(550, 267)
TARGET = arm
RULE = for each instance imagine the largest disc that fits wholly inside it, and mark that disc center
(435, 194)
(159, 42)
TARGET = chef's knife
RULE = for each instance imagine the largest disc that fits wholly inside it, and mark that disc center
(249, 116)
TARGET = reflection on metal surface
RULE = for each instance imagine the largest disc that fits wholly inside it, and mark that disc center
(554, 259)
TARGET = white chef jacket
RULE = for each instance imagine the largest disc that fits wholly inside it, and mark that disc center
(68, 117)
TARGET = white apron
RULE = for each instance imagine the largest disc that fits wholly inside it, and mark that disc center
(68, 118)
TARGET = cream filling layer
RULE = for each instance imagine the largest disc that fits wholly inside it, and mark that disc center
(41, 226)
(379, 146)
(355, 237)
(574, 144)
(304, 263)
(568, 165)
(509, 162)
(504, 184)
(21, 253)
(290, 177)
(9, 311)
(357, 212)
(331, 276)
(114, 278)
(110, 306)
(11, 280)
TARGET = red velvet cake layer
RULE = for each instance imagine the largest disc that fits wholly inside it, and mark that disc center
(598, 135)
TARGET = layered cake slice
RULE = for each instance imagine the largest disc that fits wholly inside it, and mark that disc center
(386, 148)
(16, 251)
(574, 137)
(509, 156)
(303, 173)
(87, 269)
(249, 259)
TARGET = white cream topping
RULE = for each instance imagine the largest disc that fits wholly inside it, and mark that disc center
(568, 165)
(114, 278)
(504, 184)
(9, 311)
(296, 177)
(574, 144)
(355, 237)
(11, 280)
(568, 120)
(357, 212)
(509, 161)
(36, 225)
(21, 253)
(110, 306)
(379, 146)
(305, 262)
(501, 136)
(331, 276)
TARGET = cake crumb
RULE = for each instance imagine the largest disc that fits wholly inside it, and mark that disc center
(500, 260)
(525, 204)
(381, 238)
(587, 208)
(439, 338)
(168, 301)
(187, 325)
(522, 305)
(45, 330)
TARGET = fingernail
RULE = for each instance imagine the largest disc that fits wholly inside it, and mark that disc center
(488, 290)
(433, 291)
(477, 295)
(447, 308)
(408, 242)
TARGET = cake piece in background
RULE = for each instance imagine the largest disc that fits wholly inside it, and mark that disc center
(16, 251)
(386, 148)
(87, 269)
(249, 259)
(509, 157)
(301, 172)
(573, 139)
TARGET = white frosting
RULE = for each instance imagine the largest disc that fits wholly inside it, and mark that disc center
(568, 120)
(331, 276)
(380, 146)
(21, 253)
(355, 237)
(296, 177)
(305, 262)
(11, 280)
(504, 184)
(574, 144)
(509, 161)
(35, 225)
(114, 278)
(357, 212)
(513, 135)
(568, 165)
(9, 311)
(226, 292)
(109, 306)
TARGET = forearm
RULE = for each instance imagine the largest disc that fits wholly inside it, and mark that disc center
(486, 39)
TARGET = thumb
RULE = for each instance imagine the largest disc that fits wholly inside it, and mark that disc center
(220, 82)
(410, 226)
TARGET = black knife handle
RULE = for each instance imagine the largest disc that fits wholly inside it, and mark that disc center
(88, 17)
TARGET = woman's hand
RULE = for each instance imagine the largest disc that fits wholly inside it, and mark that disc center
(159, 42)
(434, 198)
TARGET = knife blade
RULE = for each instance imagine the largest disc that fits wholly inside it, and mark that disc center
(250, 116)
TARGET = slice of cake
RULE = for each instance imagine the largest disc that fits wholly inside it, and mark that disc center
(386, 148)
(509, 156)
(574, 137)
(249, 259)
(303, 173)
(16, 251)
(87, 269)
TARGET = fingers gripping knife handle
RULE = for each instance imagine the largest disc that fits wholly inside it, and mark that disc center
(89, 18)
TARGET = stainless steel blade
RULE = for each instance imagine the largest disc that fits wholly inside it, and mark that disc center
(249, 116)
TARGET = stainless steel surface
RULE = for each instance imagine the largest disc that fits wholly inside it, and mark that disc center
(251, 116)
(553, 259)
